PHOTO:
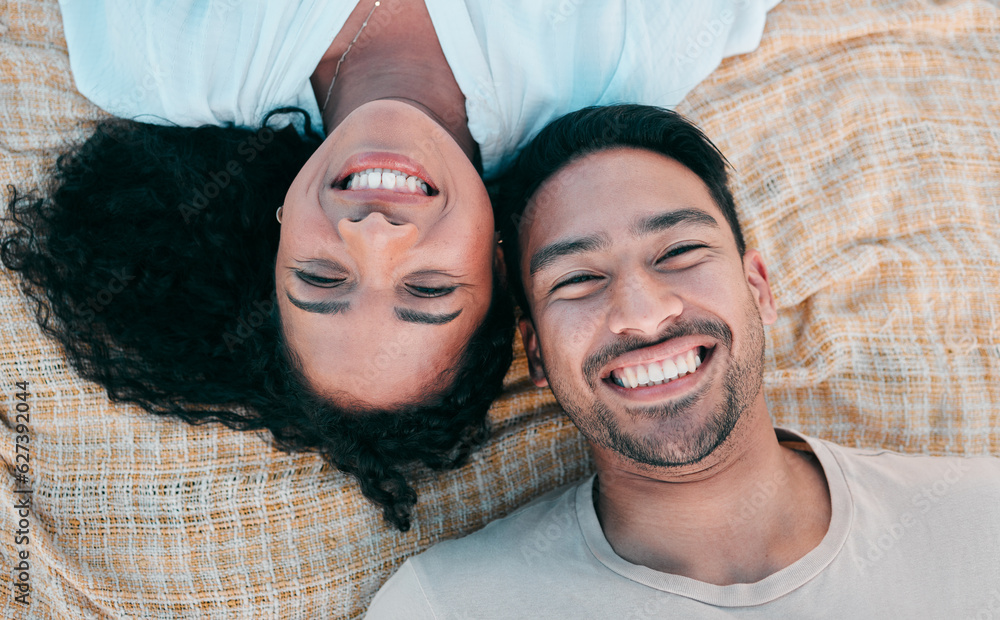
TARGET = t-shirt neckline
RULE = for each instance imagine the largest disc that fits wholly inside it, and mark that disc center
(744, 594)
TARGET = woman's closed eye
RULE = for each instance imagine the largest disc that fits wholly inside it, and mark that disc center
(430, 291)
(319, 281)
(417, 290)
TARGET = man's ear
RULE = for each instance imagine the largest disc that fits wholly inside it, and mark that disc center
(756, 275)
(536, 368)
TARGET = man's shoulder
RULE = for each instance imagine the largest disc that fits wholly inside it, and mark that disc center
(906, 466)
(962, 483)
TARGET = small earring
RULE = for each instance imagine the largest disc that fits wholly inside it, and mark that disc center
(277, 214)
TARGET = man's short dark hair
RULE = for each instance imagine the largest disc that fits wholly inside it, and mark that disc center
(600, 128)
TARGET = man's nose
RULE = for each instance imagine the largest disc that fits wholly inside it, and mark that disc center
(375, 235)
(642, 304)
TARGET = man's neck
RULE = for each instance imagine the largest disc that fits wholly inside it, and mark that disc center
(397, 56)
(748, 510)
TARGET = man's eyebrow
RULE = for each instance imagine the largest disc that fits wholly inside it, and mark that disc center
(663, 221)
(320, 307)
(554, 251)
(415, 316)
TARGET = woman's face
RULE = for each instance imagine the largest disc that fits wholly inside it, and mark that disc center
(380, 289)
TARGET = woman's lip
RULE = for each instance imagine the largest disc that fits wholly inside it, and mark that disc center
(664, 391)
(382, 196)
(390, 161)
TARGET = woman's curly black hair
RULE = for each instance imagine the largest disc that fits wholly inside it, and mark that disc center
(150, 259)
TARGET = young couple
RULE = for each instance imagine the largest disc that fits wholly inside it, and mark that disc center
(386, 333)
(343, 292)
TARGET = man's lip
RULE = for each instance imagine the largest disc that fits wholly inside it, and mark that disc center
(385, 160)
(665, 350)
(665, 391)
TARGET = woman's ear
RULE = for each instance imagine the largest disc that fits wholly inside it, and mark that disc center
(536, 367)
(499, 265)
(756, 275)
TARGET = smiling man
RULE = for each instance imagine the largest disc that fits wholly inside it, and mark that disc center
(645, 313)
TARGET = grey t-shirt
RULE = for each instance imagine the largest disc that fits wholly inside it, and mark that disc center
(909, 537)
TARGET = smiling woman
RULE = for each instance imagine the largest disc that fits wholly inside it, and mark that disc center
(389, 334)
(167, 312)
(374, 271)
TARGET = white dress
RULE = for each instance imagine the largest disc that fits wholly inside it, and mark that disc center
(520, 63)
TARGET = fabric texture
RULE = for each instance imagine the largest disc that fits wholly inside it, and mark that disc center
(866, 147)
(519, 63)
(893, 549)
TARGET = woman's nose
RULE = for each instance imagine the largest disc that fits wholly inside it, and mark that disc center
(374, 233)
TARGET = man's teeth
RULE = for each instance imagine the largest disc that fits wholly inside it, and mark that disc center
(383, 178)
(656, 373)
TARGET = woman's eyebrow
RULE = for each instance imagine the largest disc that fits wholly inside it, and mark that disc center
(320, 307)
(425, 318)
(403, 314)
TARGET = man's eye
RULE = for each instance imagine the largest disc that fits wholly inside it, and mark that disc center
(681, 250)
(574, 280)
(427, 291)
(319, 281)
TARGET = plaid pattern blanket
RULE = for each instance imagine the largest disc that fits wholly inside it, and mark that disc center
(866, 146)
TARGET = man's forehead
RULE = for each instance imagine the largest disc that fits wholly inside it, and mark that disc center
(642, 190)
(617, 160)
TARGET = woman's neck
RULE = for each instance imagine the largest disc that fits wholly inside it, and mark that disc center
(396, 56)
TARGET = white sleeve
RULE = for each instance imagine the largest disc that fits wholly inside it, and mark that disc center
(194, 62)
(671, 47)
(523, 63)
(401, 597)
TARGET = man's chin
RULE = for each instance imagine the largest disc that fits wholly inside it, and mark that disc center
(669, 447)
(675, 433)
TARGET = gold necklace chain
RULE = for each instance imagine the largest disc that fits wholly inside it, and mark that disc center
(341, 61)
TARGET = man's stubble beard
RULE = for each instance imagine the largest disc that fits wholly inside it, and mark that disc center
(690, 440)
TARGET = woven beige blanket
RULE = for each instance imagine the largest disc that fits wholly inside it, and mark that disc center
(866, 143)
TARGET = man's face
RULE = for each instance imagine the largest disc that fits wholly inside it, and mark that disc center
(645, 321)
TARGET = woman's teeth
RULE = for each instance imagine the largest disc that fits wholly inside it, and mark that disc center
(382, 178)
(656, 373)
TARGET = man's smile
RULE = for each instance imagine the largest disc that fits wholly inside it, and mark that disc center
(658, 371)
(664, 377)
